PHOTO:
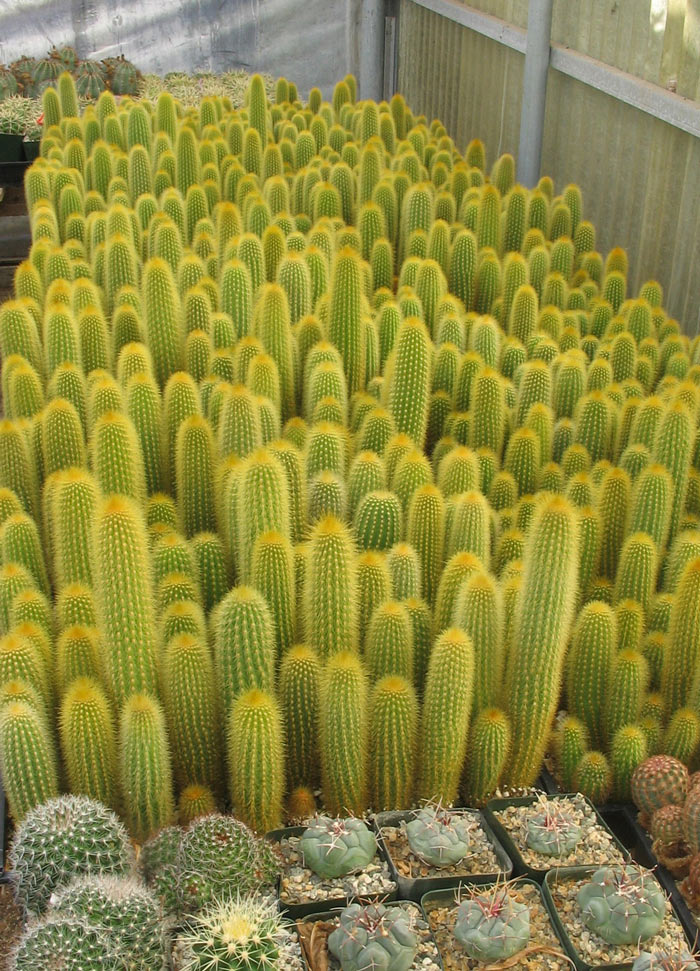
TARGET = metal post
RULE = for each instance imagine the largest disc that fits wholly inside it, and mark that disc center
(371, 76)
(539, 32)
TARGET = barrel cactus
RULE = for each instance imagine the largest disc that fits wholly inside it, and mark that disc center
(665, 961)
(623, 904)
(659, 781)
(491, 925)
(552, 831)
(439, 836)
(65, 942)
(376, 937)
(334, 847)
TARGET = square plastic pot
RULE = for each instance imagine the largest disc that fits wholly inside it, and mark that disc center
(297, 911)
(414, 889)
(520, 867)
(31, 150)
(11, 148)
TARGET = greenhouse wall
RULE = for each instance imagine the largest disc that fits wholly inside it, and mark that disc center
(640, 176)
(313, 42)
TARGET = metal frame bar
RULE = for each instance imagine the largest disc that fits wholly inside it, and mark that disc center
(647, 97)
(534, 91)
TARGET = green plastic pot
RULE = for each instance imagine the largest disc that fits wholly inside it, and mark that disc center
(331, 915)
(577, 873)
(520, 867)
(447, 897)
(415, 889)
(297, 911)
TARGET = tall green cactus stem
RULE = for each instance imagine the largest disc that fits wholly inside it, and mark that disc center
(345, 316)
(636, 573)
(404, 569)
(162, 312)
(262, 503)
(478, 612)
(255, 750)
(78, 655)
(62, 438)
(272, 573)
(343, 735)
(20, 543)
(489, 744)
(447, 705)
(273, 328)
(408, 391)
(330, 600)
(684, 649)
(145, 770)
(373, 588)
(630, 624)
(650, 509)
(389, 642)
(393, 724)
(144, 408)
(686, 547)
(28, 758)
(299, 694)
(194, 460)
(613, 505)
(425, 532)
(628, 749)
(682, 735)
(244, 645)
(488, 412)
(377, 521)
(116, 457)
(673, 449)
(593, 777)
(546, 611)
(190, 705)
(212, 568)
(88, 742)
(124, 597)
(589, 666)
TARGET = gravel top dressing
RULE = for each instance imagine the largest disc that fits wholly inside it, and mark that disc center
(481, 857)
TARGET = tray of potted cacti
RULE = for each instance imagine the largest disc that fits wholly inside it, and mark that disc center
(614, 917)
(504, 924)
(327, 863)
(544, 832)
(391, 936)
(435, 848)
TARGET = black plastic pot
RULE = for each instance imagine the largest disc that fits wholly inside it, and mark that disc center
(667, 881)
(519, 865)
(296, 911)
(31, 150)
(415, 889)
(442, 897)
(579, 962)
(330, 915)
(11, 148)
(548, 783)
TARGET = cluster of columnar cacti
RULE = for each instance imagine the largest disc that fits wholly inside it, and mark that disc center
(331, 457)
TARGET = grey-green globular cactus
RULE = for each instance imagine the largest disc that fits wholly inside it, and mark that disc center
(665, 961)
(439, 836)
(491, 925)
(333, 847)
(622, 904)
(552, 831)
(374, 936)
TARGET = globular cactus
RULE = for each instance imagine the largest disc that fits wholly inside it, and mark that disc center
(392, 743)
(623, 905)
(376, 934)
(343, 734)
(659, 781)
(145, 767)
(234, 934)
(491, 925)
(68, 940)
(64, 838)
(681, 960)
(445, 719)
(546, 607)
(124, 909)
(439, 836)
(552, 831)
(334, 847)
(195, 801)
(255, 748)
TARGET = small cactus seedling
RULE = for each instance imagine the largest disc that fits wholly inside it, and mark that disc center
(439, 836)
(239, 934)
(551, 831)
(374, 936)
(665, 961)
(623, 904)
(334, 847)
(491, 925)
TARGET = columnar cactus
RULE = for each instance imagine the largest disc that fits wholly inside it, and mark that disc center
(255, 760)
